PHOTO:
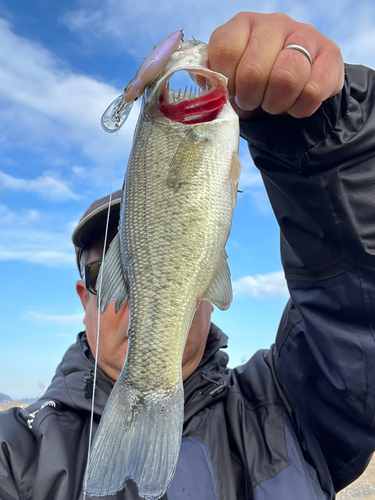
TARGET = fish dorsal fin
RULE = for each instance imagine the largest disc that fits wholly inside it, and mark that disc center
(113, 285)
(220, 292)
(187, 159)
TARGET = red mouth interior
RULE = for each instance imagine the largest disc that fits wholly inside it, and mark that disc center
(203, 108)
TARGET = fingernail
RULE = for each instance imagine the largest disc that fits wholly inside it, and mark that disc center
(245, 107)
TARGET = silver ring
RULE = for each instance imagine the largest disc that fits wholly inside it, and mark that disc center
(300, 49)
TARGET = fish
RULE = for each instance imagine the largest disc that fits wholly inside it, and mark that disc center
(169, 254)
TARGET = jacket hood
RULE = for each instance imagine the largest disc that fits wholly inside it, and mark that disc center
(74, 376)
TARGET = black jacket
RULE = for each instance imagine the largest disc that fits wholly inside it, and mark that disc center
(297, 420)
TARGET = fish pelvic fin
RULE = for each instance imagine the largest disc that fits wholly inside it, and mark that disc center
(113, 284)
(138, 438)
(220, 292)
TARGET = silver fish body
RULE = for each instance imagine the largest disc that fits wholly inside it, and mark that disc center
(169, 254)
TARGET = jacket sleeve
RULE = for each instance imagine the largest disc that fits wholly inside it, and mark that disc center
(18, 456)
(319, 173)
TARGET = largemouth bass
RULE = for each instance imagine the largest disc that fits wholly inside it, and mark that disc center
(169, 254)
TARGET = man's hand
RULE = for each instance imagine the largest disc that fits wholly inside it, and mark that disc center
(248, 49)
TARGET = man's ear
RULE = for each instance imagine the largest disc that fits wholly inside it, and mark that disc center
(82, 293)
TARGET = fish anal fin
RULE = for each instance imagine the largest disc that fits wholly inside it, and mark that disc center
(220, 292)
(111, 280)
(187, 159)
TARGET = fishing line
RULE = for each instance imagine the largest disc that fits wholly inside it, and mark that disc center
(99, 288)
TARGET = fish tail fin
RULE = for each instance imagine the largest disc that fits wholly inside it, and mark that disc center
(138, 438)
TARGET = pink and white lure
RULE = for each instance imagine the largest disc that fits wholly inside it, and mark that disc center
(118, 111)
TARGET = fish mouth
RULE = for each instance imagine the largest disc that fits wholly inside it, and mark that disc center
(201, 104)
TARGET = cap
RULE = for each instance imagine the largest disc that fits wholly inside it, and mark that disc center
(93, 222)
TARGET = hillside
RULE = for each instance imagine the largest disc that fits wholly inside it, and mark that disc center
(4, 398)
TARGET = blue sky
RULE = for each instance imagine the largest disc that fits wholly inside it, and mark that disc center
(61, 64)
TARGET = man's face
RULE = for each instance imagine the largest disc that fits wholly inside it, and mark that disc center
(113, 343)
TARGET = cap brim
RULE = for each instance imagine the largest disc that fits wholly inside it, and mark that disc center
(94, 224)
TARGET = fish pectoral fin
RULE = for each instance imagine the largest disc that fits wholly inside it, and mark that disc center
(111, 280)
(220, 292)
(234, 176)
(187, 159)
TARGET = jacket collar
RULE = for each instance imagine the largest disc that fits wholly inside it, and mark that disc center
(216, 340)
(208, 383)
(73, 374)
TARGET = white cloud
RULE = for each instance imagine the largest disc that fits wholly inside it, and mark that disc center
(34, 254)
(27, 236)
(136, 27)
(80, 172)
(45, 105)
(8, 218)
(359, 49)
(262, 285)
(350, 24)
(55, 319)
(37, 247)
(51, 108)
(47, 186)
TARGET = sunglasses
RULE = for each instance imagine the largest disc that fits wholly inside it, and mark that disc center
(90, 275)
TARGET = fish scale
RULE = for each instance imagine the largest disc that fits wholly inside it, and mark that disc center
(169, 254)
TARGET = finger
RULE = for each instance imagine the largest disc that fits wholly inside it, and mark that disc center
(254, 69)
(326, 80)
(226, 46)
(288, 77)
(244, 115)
